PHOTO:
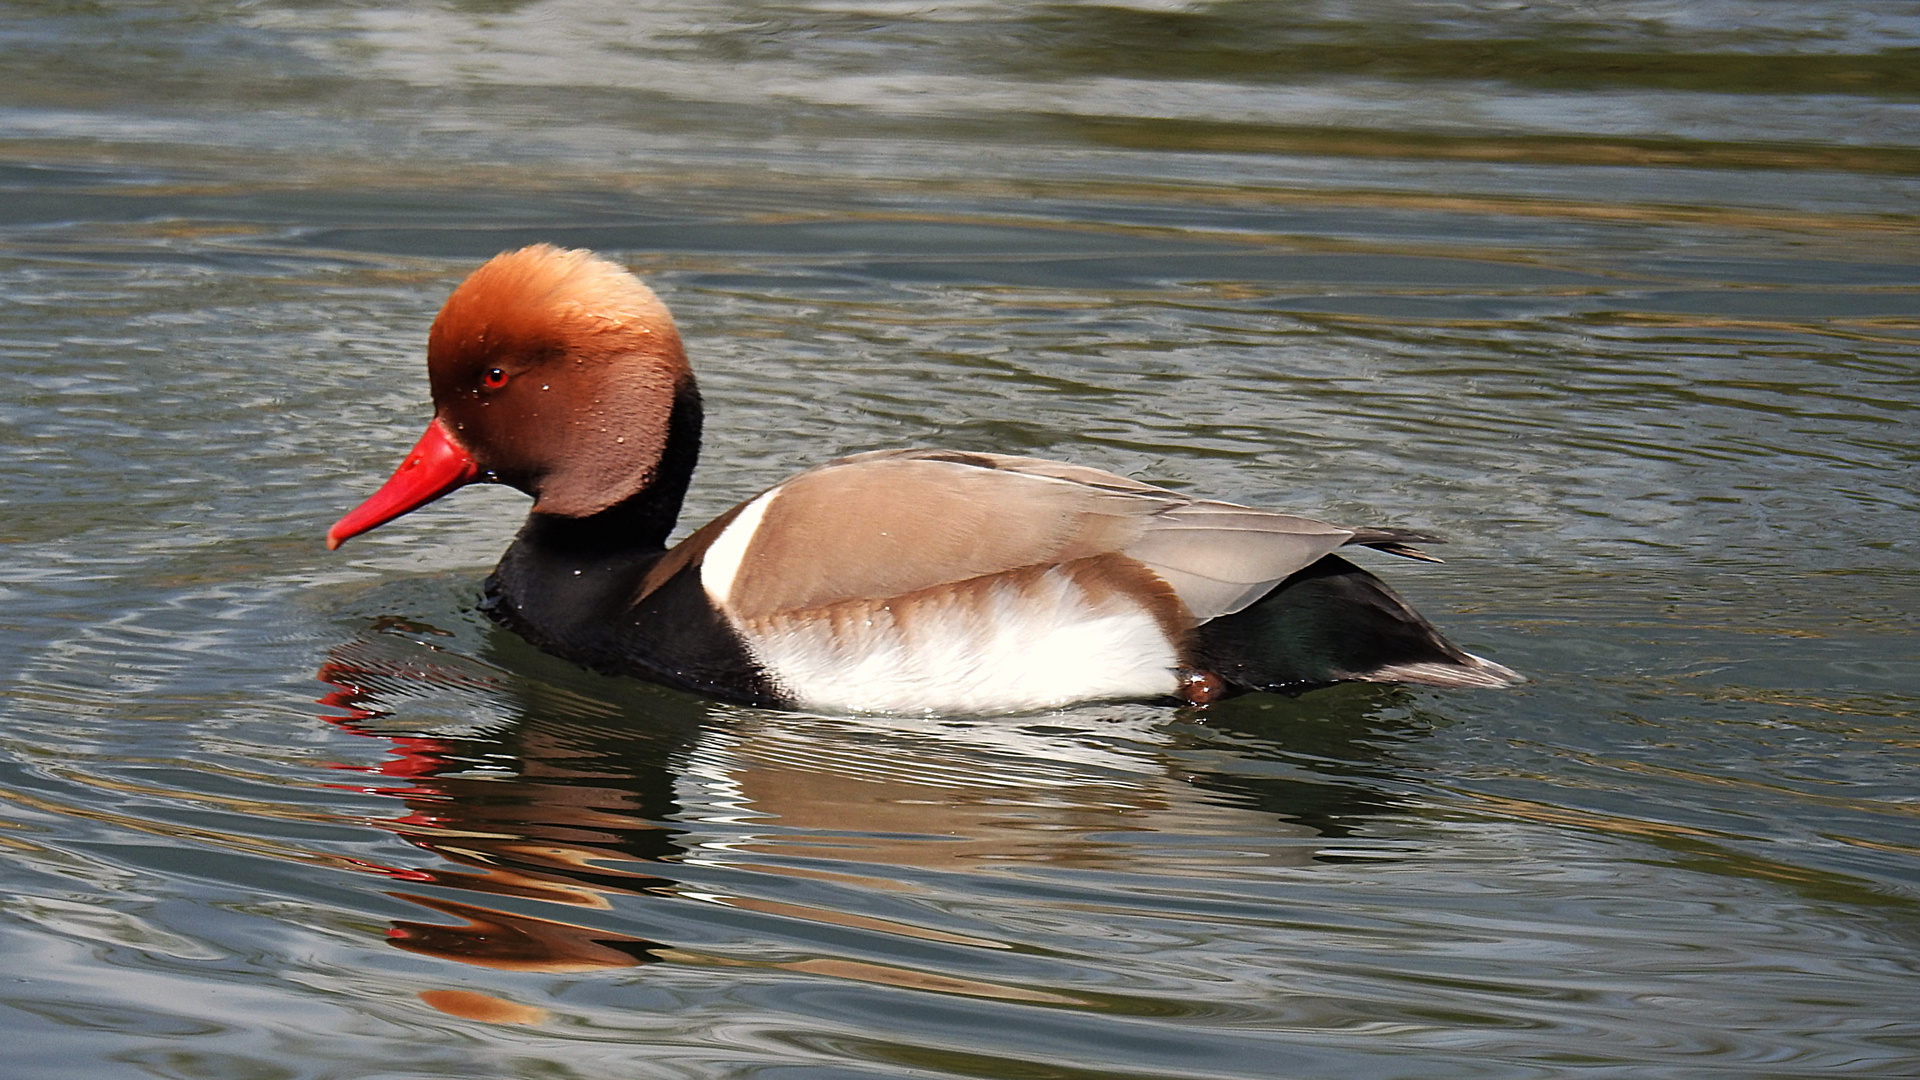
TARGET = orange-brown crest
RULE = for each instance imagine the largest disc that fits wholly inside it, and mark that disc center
(558, 370)
(548, 298)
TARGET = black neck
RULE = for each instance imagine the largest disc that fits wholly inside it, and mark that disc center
(565, 580)
(642, 521)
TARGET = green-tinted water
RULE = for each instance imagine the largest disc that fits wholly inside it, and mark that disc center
(1624, 300)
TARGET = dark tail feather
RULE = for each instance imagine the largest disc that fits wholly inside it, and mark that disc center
(1397, 542)
(1334, 622)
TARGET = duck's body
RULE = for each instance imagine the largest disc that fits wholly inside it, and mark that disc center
(895, 581)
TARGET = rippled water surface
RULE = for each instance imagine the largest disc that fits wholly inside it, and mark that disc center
(1623, 299)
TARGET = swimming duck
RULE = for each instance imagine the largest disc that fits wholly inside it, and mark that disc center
(897, 581)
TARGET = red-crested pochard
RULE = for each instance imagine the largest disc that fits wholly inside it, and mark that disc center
(894, 581)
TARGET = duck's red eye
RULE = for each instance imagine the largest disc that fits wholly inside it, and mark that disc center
(494, 379)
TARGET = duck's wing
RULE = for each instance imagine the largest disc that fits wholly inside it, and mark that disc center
(894, 522)
(1219, 557)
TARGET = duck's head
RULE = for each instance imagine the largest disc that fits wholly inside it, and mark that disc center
(555, 372)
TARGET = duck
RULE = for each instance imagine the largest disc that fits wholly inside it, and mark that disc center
(906, 581)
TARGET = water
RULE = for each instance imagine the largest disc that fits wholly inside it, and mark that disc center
(1623, 300)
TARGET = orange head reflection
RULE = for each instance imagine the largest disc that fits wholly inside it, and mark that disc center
(510, 942)
(562, 831)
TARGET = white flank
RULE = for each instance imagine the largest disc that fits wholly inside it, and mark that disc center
(1009, 647)
(722, 562)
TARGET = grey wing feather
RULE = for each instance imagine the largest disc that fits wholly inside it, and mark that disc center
(1397, 542)
(1220, 557)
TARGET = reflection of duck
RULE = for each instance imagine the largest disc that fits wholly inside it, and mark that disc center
(584, 792)
(549, 833)
(894, 581)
